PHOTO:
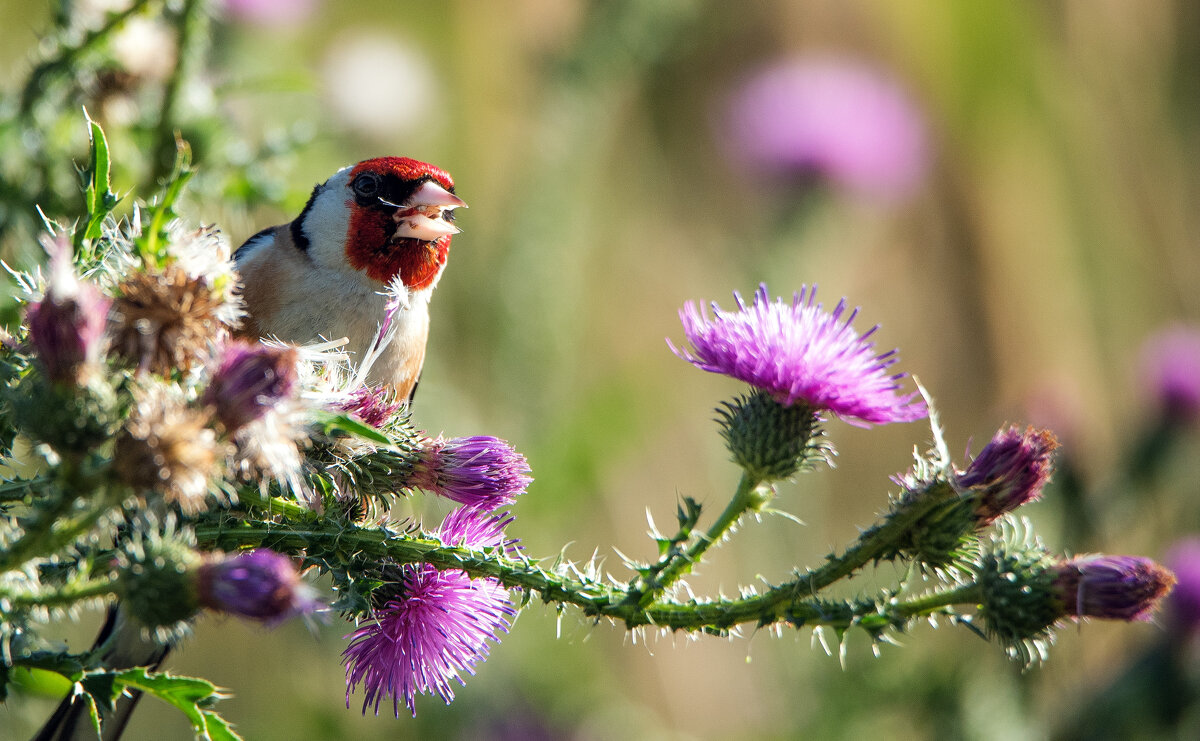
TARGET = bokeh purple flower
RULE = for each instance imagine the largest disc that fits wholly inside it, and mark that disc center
(435, 626)
(250, 380)
(837, 119)
(1111, 587)
(1170, 365)
(271, 12)
(483, 472)
(1010, 471)
(799, 353)
(260, 584)
(1183, 606)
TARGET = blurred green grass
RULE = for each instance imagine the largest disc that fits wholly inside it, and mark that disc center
(1054, 232)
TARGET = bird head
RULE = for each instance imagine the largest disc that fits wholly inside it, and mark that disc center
(385, 218)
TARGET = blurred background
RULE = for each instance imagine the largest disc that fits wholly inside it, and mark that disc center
(1009, 188)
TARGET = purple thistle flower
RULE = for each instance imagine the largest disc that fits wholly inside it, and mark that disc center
(250, 380)
(1171, 367)
(1184, 602)
(1112, 587)
(836, 119)
(260, 584)
(799, 353)
(373, 406)
(271, 12)
(66, 327)
(1009, 472)
(435, 628)
(483, 472)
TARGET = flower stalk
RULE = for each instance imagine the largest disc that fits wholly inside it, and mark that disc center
(60, 597)
(751, 496)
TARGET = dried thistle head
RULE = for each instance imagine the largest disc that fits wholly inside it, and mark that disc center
(167, 319)
(168, 448)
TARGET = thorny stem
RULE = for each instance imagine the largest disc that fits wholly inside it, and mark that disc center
(750, 495)
(794, 601)
(67, 57)
(39, 536)
(872, 545)
(66, 595)
(191, 31)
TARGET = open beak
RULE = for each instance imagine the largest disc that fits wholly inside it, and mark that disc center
(425, 214)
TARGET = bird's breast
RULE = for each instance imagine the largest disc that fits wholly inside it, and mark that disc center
(299, 303)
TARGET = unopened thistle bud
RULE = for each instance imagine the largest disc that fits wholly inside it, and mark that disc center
(482, 472)
(157, 581)
(1025, 592)
(1018, 597)
(261, 584)
(771, 441)
(66, 327)
(69, 418)
(249, 381)
(1111, 587)
(167, 447)
(1010, 471)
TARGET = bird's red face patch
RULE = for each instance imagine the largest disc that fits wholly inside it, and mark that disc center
(379, 189)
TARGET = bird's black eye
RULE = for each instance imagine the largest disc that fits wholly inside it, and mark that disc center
(366, 185)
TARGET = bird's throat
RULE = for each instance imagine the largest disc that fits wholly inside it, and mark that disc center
(371, 249)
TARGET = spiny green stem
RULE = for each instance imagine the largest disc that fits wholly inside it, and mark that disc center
(273, 505)
(749, 496)
(66, 595)
(68, 56)
(594, 598)
(37, 534)
(191, 32)
(970, 594)
(48, 532)
(873, 544)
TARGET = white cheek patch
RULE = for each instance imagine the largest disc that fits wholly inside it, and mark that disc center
(328, 221)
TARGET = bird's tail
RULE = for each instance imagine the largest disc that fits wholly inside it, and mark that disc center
(125, 646)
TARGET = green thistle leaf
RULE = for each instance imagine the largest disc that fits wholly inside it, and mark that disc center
(99, 199)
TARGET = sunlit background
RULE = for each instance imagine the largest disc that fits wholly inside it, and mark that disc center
(1008, 188)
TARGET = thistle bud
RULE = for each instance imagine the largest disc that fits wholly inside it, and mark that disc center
(249, 381)
(771, 441)
(66, 327)
(1010, 471)
(261, 584)
(157, 581)
(1111, 587)
(481, 472)
(1019, 601)
(71, 419)
(1025, 592)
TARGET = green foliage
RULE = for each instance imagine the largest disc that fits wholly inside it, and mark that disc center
(98, 198)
